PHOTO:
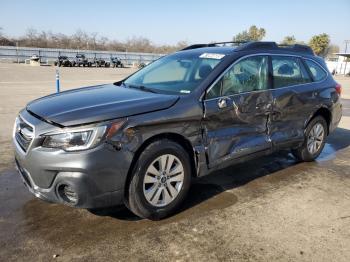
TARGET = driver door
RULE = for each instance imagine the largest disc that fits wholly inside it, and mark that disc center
(236, 112)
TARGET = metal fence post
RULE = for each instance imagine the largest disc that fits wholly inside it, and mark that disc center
(57, 81)
(346, 58)
(17, 52)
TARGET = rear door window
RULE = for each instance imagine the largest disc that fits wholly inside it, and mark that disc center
(317, 72)
(288, 71)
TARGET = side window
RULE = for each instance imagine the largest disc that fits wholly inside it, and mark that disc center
(249, 74)
(288, 71)
(317, 72)
(304, 73)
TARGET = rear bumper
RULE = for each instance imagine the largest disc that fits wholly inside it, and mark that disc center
(336, 116)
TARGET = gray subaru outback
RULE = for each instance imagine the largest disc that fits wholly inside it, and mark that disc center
(141, 140)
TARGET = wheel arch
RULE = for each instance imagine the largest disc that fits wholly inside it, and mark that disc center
(325, 113)
(175, 137)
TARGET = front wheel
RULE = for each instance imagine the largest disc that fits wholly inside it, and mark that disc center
(315, 139)
(160, 180)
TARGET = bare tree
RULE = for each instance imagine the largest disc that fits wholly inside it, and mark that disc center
(83, 40)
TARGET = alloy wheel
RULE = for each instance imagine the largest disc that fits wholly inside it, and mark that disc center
(163, 180)
(315, 138)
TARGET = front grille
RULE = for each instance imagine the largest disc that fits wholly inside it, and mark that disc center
(24, 133)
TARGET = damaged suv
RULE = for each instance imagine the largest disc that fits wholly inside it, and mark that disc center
(141, 140)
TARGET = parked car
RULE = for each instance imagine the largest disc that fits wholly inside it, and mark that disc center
(35, 58)
(142, 65)
(80, 60)
(63, 61)
(116, 62)
(141, 141)
(100, 62)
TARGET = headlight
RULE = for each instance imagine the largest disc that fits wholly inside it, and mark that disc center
(74, 140)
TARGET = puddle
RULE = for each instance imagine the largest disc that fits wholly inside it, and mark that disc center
(328, 153)
(22, 216)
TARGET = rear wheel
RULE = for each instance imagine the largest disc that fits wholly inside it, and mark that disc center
(160, 180)
(315, 138)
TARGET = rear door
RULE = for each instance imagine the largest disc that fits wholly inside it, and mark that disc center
(293, 99)
(236, 111)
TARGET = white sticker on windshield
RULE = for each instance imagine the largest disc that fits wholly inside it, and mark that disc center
(185, 91)
(211, 56)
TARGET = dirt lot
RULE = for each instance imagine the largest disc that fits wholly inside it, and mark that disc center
(270, 209)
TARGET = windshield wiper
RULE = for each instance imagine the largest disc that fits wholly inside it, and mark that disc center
(143, 88)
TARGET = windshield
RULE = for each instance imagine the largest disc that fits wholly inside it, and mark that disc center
(177, 73)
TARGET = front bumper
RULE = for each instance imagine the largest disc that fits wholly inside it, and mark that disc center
(97, 176)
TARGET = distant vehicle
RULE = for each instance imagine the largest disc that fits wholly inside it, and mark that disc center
(142, 65)
(116, 62)
(35, 57)
(79, 60)
(99, 62)
(63, 61)
(141, 140)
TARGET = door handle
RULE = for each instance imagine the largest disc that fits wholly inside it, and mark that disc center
(222, 102)
(263, 106)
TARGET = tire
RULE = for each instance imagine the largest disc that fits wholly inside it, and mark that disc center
(139, 193)
(313, 144)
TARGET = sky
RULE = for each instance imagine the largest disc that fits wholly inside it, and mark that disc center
(168, 22)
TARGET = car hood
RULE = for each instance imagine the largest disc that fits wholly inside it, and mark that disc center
(97, 103)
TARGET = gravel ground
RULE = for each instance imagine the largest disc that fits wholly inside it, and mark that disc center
(269, 209)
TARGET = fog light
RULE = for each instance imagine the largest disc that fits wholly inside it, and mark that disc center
(68, 194)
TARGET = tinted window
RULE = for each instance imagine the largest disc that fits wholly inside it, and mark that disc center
(304, 73)
(317, 72)
(287, 71)
(249, 74)
(181, 72)
(169, 72)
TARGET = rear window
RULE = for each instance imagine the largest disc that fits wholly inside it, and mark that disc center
(317, 72)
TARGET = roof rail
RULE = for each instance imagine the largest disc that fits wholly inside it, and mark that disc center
(299, 48)
(274, 46)
(243, 45)
(213, 44)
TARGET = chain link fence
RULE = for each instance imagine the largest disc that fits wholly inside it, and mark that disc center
(49, 55)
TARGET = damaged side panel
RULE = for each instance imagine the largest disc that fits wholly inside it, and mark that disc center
(238, 129)
(182, 125)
